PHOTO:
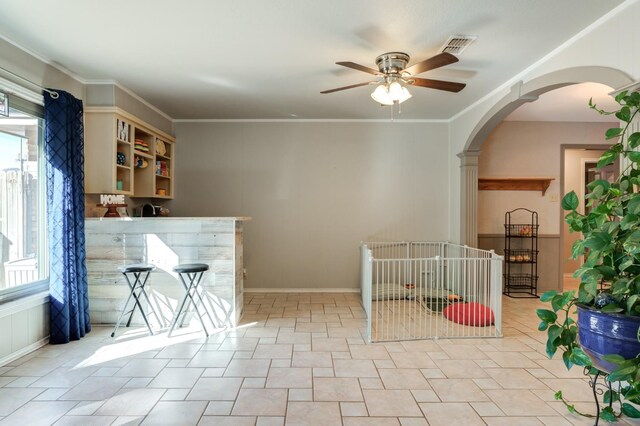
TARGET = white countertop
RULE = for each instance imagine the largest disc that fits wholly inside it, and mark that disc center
(197, 218)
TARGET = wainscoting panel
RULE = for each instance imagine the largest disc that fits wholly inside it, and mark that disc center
(24, 326)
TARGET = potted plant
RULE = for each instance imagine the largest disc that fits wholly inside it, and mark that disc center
(605, 335)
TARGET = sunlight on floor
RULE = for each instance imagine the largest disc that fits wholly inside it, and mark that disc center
(137, 341)
(296, 359)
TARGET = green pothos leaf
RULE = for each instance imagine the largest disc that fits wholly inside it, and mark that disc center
(551, 348)
(566, 358)
(554, 332)
(608, 157)
(613, 132)
(577, 249)
(570, 201)
(631, 394)
(608, 414)
(624, 114)
(630, 411)
(612, 308)
(620, 96)
(633, 206)
(613, 358)
(634, 140)
(579, 357)
(548, 295)
(547, 315)
(611, 396)
(621, 373)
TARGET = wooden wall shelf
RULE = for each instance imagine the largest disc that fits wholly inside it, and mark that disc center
(515, 184)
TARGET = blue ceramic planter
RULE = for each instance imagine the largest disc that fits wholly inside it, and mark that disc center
(602, 334)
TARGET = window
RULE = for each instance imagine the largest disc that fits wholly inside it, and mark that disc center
(23, 263)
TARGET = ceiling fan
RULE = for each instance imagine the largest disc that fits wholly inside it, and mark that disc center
(393, 75)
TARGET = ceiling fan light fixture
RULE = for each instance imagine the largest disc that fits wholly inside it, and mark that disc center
(393, 75)
(404, 95)
(395, 90)
(381, 95)
(390, 94)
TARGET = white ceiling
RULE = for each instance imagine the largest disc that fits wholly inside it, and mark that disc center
(257, 59)
(569, 103)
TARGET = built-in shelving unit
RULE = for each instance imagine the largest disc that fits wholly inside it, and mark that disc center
(515, 184)
(112, 135)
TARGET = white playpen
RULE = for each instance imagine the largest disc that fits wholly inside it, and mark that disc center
(427, 290)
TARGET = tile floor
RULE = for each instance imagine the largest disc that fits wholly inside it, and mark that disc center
(297, 359)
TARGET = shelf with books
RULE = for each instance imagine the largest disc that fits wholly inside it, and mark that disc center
(163, 168)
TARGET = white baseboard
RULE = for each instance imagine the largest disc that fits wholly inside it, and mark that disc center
(301, 290)
(24, 351)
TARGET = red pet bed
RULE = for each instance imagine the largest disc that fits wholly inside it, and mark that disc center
(474, 314)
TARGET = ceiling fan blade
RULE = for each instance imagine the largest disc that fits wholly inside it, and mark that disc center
(432, 63)
(449, 86)
(359, 67)
(347, 87)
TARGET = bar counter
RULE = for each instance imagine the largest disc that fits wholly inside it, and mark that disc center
(165, 242)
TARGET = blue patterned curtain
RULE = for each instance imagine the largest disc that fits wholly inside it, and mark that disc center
(64, 155)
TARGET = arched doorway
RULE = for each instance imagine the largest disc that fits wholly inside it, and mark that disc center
(521, 93)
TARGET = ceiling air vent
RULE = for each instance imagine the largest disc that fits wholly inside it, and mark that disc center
(457, 43)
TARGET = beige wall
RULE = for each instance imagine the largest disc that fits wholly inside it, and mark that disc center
(314, 190)
(529, 149)
(533, 149)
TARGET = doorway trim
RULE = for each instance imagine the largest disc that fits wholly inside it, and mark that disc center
(563, 149)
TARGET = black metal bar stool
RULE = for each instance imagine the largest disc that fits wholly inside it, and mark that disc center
(193, 273)
(140, 272)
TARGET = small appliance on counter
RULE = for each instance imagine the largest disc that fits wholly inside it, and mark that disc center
(151, 210)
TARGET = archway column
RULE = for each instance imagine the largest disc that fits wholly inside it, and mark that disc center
(469, 197)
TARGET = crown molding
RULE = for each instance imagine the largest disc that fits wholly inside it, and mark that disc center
(83, 81)
(45, 60)
(501, 88)
(132, 94)
(307, 120)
